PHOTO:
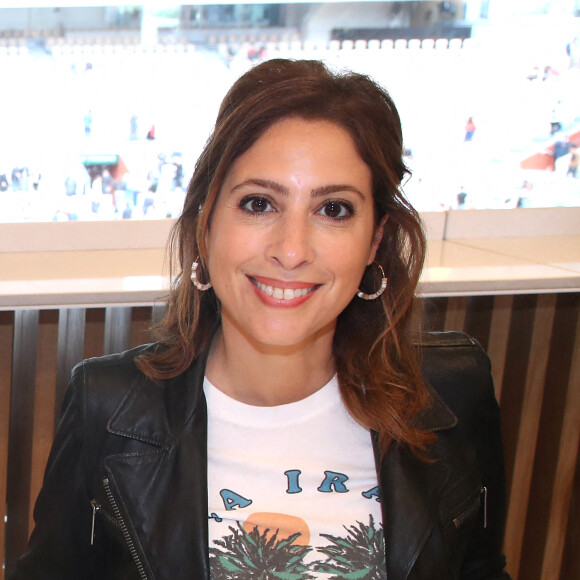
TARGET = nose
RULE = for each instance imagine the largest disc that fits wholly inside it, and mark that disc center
(292, 242)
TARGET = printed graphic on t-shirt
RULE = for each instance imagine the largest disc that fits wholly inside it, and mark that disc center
(262, 551)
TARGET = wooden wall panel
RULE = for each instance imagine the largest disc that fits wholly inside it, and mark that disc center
(478, 316)
(140, 326)
(71, 347)
(94, 332)
(543, 500)
(516, 357)
(498, 339)
(44, 400)
(564, 475)
(117, 329)
(456, 312)
(533, 394)
(533, 342)
(21, 429)
(571, 556)
(6, 349)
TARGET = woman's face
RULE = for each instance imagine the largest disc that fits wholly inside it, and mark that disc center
(291, 234)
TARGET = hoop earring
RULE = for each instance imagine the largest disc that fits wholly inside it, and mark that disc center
(365, 296)
(199, 285)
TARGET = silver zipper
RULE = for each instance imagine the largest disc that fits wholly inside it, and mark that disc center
(472, 509)
(98, 509)
(484, 492)
(122, 525)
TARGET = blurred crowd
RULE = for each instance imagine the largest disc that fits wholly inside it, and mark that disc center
(466, 139)
(94, 193)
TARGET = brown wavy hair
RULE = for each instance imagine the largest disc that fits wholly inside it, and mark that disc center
(377, 363)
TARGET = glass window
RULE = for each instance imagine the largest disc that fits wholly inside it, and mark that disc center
(106, 107)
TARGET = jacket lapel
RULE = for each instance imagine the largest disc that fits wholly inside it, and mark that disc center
(410, 490)
(162, 492)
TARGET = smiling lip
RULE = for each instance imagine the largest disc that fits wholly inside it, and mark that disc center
(279, 293)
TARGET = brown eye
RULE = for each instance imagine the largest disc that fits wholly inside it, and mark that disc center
(256, 204)
(336, 210)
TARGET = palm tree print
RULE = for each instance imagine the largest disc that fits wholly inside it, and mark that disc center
(260, 556)
(358, 556)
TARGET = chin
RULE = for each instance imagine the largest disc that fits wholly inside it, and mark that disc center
(283, 337)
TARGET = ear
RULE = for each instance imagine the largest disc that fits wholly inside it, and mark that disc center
(377, 238)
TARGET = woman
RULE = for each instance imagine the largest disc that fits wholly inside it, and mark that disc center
(281, 427)
(469, 129)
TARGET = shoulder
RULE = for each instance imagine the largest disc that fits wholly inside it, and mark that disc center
(444, 353)
(101, 383)
(115, 369)
(112, 363)
(457, 368)
(113, 395)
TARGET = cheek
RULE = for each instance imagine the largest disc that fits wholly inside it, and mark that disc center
(229, 248)
(351, 266)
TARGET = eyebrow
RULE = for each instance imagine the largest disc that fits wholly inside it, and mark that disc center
(317, 192)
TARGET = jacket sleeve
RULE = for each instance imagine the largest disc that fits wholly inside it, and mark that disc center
(462, 373)
(59, 546)
(485, 558)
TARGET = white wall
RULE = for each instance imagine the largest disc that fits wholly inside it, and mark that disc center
(53, 18)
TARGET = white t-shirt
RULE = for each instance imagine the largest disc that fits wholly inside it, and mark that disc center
(292, 489)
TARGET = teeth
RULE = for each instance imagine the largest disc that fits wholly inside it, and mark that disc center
(282, 293)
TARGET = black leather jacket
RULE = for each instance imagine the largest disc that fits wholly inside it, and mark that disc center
(125, 493)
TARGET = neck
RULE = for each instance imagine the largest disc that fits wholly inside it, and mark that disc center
(265, 375)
